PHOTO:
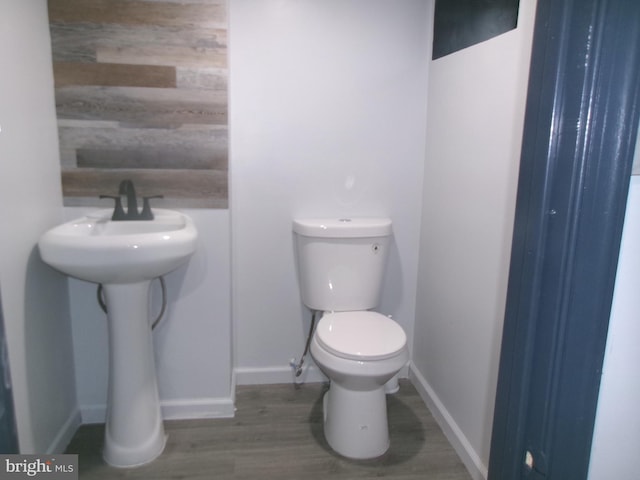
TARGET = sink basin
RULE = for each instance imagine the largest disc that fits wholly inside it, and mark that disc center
(96, 249)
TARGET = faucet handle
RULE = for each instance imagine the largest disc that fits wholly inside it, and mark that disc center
(118, 211)
(146, 213)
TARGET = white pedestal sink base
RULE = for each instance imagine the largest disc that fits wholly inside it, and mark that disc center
(124, 256)
(134, 433)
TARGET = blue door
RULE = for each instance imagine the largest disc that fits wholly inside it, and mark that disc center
(8, 436)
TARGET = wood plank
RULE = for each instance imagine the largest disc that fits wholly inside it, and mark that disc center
(97, 135)
(113, 74)
(79, 42)
(73, 43)
(83, 182)
(182, 2)
(156, 158)
(145, 54)
(202, 78)
(171, 203)
(127, 12)
(152, 107)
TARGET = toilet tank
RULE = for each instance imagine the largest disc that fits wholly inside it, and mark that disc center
(341, 261)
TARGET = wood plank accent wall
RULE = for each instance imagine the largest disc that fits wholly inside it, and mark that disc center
(141, 93)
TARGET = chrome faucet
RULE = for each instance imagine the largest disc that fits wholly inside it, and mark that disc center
(126, 189)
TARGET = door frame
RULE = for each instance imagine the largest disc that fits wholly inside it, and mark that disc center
(581, 123)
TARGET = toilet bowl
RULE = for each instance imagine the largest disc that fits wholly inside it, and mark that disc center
(360, 352)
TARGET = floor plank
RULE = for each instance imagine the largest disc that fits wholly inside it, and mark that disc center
(277, 434)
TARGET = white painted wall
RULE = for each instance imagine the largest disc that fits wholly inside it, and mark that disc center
(327, 115)
(474, 130)
(192, 342)
(35, 300)
(616, 438)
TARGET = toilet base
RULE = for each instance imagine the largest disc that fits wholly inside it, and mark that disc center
(355, 422)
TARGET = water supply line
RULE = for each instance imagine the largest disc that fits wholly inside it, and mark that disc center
(103, 305)
(298, 366)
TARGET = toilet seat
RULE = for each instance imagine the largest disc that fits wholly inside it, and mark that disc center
(360, 335)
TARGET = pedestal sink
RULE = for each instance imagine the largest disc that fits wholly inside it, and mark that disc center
(124, 256)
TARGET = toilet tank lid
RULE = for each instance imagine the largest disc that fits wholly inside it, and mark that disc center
(348, 227)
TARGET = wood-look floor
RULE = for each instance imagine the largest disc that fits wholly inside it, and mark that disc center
(277, 434)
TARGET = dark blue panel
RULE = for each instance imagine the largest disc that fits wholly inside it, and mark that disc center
(459, 24)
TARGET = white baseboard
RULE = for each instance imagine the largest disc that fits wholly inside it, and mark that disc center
(270, 375)
(173, 409)
(93, 413)
(273, 375)
(477, 469)
(198, 408)
(66, 433)
(232, 389)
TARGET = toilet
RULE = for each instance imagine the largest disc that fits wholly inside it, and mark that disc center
(341, 264)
